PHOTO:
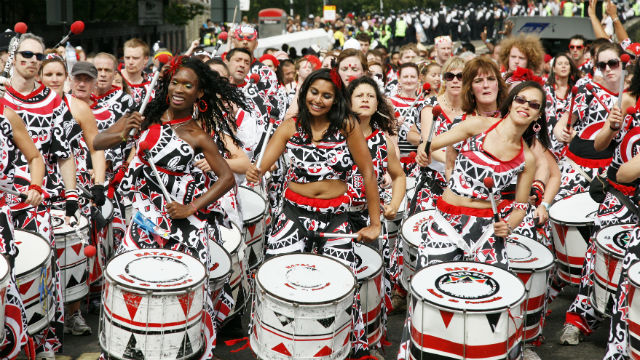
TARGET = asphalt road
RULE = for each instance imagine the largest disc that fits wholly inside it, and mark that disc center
(87, 347)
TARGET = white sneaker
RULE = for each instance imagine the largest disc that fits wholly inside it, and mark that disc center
(75, 325)
(46, 355)
(571, 335)
(529, 354)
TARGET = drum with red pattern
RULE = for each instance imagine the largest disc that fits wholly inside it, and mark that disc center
(153, 305)
(369, 275)
(611, 244)
(466, 310)
(70, 251)
(253, 207)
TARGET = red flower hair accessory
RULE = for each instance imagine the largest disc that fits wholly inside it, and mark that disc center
(335, 78)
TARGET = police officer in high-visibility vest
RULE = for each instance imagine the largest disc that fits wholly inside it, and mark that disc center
(401, 31)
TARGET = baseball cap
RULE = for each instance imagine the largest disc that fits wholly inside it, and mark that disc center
(84, 67)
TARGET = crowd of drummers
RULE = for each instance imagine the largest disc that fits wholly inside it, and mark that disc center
(212, 174)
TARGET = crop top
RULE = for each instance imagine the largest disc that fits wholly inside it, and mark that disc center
(329, 159)
(474, 164)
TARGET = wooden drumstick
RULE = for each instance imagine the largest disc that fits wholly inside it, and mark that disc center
(489, 183)
(436, 111)
(333, 235)
(589, 87)
(22, 196)
(574, 91)
(624, 59)
(425, 89)
(144, 146)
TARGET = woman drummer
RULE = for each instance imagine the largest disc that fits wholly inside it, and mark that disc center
(14, 138)
(322, 145)
(170, 137)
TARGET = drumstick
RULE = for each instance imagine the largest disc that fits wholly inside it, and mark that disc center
(22, 196)
(19, 28)
(76, 28)
(266, 141)
(222, 37)
(144, 146)
(574, 91)
(624, 59)
(85, 191)
(162, 59)
(436, 111)
(489, 183)
(589, 87)
(425, 89)
(89, 250)
(333, 235)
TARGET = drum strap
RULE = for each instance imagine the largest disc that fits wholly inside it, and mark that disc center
(578, 168)
(457, 239)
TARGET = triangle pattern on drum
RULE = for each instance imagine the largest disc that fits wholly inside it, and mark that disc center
(24, 288)
(186, 301)
(252, 230)
(284, 320)
(561, 230)
(612, 264)
(493, 320)
(253, 258)
(131, 352)
(325, 351)
(446, 317)
(280, 348)
(185, 347)
(525, 277)
(35, 317)
(133, 302)
(327, 321)
(377, 281)
(77, 248)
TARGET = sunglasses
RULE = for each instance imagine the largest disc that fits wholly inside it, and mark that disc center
(30, 54)
(449, 76)
(532, 104)
(248, 37)
(576, 47)
(613, 64)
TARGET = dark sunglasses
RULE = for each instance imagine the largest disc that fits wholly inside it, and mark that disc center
(29, 55)
(613, 64)
(576, 47)
(449, 76)
(532, 104)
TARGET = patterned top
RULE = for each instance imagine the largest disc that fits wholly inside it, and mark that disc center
(628, 148)
(474, 164)
(268, 87)
(411, 114)
(43, 113)
(556, 107)
(330, 159)
(139, 91)
(377, 144)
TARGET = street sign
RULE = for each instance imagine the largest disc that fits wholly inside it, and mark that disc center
(329, 13)
(244, 5)
(149, 12)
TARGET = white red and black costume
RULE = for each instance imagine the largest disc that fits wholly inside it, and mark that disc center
(556, 107)
(139, 91)
(411, 114)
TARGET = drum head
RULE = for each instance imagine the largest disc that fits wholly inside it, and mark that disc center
(527, 254)
(60, 227)
(107, 209)
(368, 261)
(231, 238)
(416, 225)
(220, 261)
(577, 209)
(634, 274)
(252, 205)
(33, 251)
(305, 278)
(467, 286)
(156, 269)
(613, 239)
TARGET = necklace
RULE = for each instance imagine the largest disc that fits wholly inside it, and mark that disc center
(178, 123)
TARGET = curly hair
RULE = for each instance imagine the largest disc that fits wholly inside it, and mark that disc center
(470, 71)
(218, 93)
(529, 45)
(383, 118)
(574, 72)
(339, 115)
(529, 134)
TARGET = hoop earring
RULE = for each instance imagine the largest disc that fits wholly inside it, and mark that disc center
(202, 106)
(167, 99)
(536, 127)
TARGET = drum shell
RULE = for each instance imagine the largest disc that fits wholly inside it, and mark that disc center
(160, 323)
(607, 270)
(104, 248)
(216, 283)
(371, 294)
(253, 228)
(72, 261)
(29, 283)
(286, 330)
(411, 235)
(232, 243)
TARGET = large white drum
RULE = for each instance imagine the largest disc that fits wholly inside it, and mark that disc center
(303, 308)
(369, 275)
(633, 316)
(254, 214)
(35, 279)
(611, 244)
(219, 270)
(531, 262)
(466, 310)
(412, 230)
(153, 305)
(70, 252)
(572, 219)
(232, 243)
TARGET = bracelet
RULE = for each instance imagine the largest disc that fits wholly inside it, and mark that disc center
(613, 129)
(195, 209)
(36, 188)
(71, 194)
(545, 204)
(124, 138)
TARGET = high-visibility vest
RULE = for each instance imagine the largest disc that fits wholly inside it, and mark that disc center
(581, 7)
(636, 8)
(568, 9)
(401, 28)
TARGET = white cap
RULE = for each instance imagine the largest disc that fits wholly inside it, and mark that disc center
(351, 44)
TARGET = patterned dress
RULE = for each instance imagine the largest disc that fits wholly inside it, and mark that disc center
(174, 159)
(15, 323)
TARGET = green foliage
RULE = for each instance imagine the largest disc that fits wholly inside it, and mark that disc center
(179, 12)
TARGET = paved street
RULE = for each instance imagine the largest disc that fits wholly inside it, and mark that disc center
(87, 347)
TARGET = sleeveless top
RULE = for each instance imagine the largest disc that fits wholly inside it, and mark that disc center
(330, 159)
(474, 164)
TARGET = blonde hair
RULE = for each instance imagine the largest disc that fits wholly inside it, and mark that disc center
(454, 62)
